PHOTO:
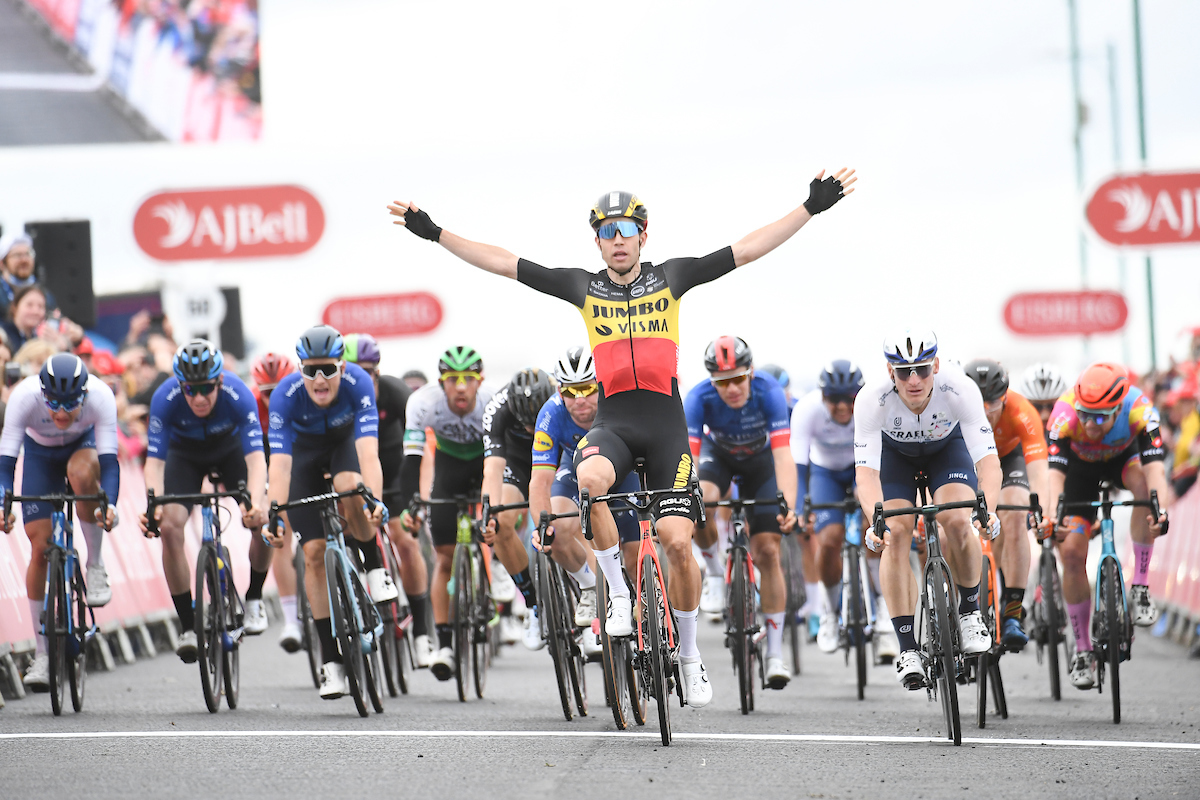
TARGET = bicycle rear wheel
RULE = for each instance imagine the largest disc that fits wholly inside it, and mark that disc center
(741, 620)
(613, 658)
(231, 607)
(460, 615)
(997, 682)
(481, 615)
(576, 660)
(1114, 619)
(941, 647)
(549, 612)
(349, 638)
(391, 645)
(308, 628)
(1050, 618)
(983, 661)
(77, 658)
(209, 626)
(654, 612)
(856, 618)
(55, 627)
(372, 661)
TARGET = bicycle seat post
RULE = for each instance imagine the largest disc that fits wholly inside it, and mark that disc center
(639, 465)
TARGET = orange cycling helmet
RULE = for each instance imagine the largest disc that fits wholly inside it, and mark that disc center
(1102, 386)
(269, 369)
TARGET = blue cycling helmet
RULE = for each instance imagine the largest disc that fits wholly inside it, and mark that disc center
(778, 373)
(320, 341)
(909, 347)
(64, 379)
(198, 361)
(840, 377)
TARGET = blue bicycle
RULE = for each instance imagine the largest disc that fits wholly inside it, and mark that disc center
(1112, 626)
(219, 609)
(357, 624)
(67, 622)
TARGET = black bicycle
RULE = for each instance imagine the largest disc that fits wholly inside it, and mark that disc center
(1048, 614)
(937, 625)
(557, 596)
(308, 627)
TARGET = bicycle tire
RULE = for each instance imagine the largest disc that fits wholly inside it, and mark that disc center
(55, 628)
(77, 669)
(576, 662)
(209, 619)
(941, 631)
(230, 651)
(857, 620)
(793, 631)
(983, 662)
(654, 611)
(1050, 619)
(346, 630)
(372, 660)
(390, 649)
(308, 627)
(739, 630)
(461, 620)
(550, 616)
(1113, 619)
(997, 683)
(481, 638)
(612, 661)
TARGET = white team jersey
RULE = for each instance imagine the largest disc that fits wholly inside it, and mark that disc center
(27, 413)
(428, 408)
(817, 438)
(955, 403)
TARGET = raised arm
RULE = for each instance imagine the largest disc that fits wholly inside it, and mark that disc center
(822, 194)
(487, 257)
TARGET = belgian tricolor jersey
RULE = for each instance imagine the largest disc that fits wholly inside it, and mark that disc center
(633, 329)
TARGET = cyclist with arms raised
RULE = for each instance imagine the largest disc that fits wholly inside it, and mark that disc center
(203, 420)
(66, 420)
(631, 309)
(323, 421)
(923, 419)
(1103, 429)
(738, 428)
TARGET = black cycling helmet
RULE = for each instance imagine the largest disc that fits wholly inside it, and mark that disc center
(619, 204)
(840, 378)
(727, 352)
(989, 376)
(527, 393)
(64, 379)
(320, 341)
(778, 373)
(198, 361)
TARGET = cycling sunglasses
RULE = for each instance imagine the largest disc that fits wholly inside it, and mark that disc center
(628, 228)
(923, 371)
(311, 371)
(1093, 416)
(838, 399)
(732, 379)
(580, 390)
(59, 405)
(202, 389)
(463, 377)
(1044, 407)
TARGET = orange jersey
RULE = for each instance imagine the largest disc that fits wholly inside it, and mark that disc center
(1020, 425)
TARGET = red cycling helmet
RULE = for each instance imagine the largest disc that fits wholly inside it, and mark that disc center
(726, 353)
(271, 368)
(1102, 386)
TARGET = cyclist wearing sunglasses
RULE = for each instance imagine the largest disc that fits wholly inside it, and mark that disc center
(1103, 429)
(1021, 445)
(631, 310)
(738, 428)
(453, 408)
(204, 419)
(1042, 385)
(924, 419)
(66, 420)
(561, 423)
(324, 422)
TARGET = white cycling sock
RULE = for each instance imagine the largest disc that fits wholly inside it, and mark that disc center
(686, 620)
(873, 569)
(814, 604)
(775, 634)
(288, 604)
(712, 560)
(35, 613)
(833, 594)
(609, 561)
(93, 534)
(585, 577)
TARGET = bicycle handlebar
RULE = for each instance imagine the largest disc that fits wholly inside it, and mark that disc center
(543, 526)
(738, 504)
(359, 491)
(101, 497)
(1151, 504)
(648, 497)
(979, 504)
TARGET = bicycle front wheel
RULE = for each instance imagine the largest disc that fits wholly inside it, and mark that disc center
(654, 623)
(349, 638)
(372, 666)
(550, 615)
(209, 626)
(940, 644)
(234, 616)
(983, 661)
(1114, 619)
(1050, 618)
(308, 628)
(55, 627)
(741, 621)
(77, 658)
(856, 617)
(460, 615)
(481, 615)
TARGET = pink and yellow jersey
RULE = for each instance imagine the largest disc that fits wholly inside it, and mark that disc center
(1137, 422)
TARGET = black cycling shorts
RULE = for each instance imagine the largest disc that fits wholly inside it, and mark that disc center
(1012, 466)
(1083, 478)
(452, 477)
(949, 463)
(640, 423)
(390, 461)
(755, 477)
(187, 465)
(517, 475)
(312, 457)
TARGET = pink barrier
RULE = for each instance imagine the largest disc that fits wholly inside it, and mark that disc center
(1175, 568)
(134, 563)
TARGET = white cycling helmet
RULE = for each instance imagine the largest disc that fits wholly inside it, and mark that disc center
(576, 366)
(910, 346)
(1042, 383)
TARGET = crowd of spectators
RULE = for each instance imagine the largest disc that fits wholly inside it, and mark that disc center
(1176, 392)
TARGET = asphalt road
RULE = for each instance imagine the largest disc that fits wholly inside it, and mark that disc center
(145, 732)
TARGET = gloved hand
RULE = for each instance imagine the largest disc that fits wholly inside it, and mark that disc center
(822, 194)
(419, 223)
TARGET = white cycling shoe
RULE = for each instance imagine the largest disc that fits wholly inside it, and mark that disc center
(585, 607)
(777, 674)
(532, 635)
(37, 677)
(187, 648)
(333, 681)
(975, 636)
(827, 634)
(255, 620)
(98, 590)
(292, 638)
(442, 664)
(697, 691)
(422, 651)
(1145, 612)
(380, 586)
(889, 646)
(592, 649)
(712, 598)
(1083, 670)
(619, 620)
(909, 671)
(504, 589)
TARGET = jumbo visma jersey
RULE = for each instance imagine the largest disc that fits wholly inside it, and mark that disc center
(633, 329)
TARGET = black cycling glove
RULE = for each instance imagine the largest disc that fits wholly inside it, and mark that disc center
(822, 195)
(419, 223)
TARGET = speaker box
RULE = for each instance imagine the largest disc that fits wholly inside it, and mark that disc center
(233, 341)
(64, 266)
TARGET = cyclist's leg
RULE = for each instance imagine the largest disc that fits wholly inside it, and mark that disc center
(451, 477)
(897, 476)
(716, 474)
(1133, 478)
(1081, 485)
(952, 479)
(1012, 545)
(827, 486)
(569, 549)
(309, 462)
(183, 473)
(508, 545)
(600, 457)
(414, 572)
(230, 464)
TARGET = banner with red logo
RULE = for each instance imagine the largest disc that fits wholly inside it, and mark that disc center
(247, 222)
(1147, 210)
(1059, 313)
(385, 315)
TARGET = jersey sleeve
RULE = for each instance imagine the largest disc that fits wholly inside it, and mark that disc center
(802, 430)
(362, 395)
(868, 428)
(687, 273)
(775, 406)
(415, 414)
(280, 433)
(546, 447)
(20, 403)
(496, 420)
(1145, 420)
(159, 426)
(693, 408)
(967, 403)
(102, 406)
(1029, 428)
(565, 284)
(249, 425)
(1062, 426)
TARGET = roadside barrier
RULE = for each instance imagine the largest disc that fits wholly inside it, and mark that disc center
(1175, 569)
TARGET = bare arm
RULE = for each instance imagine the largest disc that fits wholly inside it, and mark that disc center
(487, 257)
(785, 480)
(990, 477)
(762, 241)
(493, 485)
(1038, 478)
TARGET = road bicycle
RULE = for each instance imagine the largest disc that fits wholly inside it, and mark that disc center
(1048, 613)
(68, 623)
(308, 627)
(397, 622)
(557, 596)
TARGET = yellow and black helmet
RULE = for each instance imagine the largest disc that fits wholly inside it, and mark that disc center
(619, 204)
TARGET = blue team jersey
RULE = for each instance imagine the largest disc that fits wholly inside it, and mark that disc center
(234, 413)
(555, 434)
(293, 413)
(739, 432)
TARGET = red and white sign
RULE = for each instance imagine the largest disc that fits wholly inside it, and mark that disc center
(229, 223)
(1057, 313)
(1148, 209)
(385, 315)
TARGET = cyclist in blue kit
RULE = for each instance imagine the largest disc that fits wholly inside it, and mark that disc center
(323, 420)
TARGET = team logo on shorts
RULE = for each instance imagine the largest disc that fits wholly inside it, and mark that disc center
(542, 441)
(683, 473)
(590, 451)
